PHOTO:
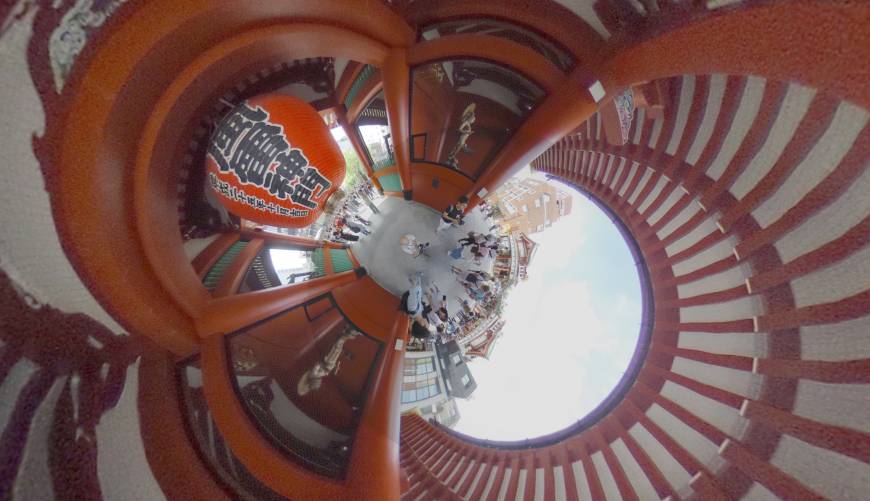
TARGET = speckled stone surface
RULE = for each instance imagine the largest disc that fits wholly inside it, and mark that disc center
(383, 258)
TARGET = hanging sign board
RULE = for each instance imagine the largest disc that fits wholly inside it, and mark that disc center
(272, 160)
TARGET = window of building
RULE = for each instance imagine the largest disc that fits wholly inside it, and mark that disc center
(525, 208)
(373, 129)
(455, 359)
(420, 381)
(465, 380)
(419, 366)
(280, 266)
(547, 222)
(540, 227)
(537, 203)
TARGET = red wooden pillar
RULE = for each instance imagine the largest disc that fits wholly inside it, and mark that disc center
(397, 81)
(557, 115)
(229, 314)
(374, 463)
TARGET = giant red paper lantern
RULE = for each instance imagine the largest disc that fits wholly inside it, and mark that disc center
(272, 160)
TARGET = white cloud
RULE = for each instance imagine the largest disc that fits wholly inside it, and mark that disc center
(559, 243)
(538, 382)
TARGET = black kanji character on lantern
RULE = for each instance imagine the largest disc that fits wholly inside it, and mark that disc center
(312, 183)
(230, 130)
(302, 196)
(291, 166)
(315, 181)
(256, 151)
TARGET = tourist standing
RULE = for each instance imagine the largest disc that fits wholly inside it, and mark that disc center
(353, 227)
(453, 215)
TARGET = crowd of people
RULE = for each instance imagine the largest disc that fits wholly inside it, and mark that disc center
(425, 301)
(475, 247)
(347, 224)
(428, 306)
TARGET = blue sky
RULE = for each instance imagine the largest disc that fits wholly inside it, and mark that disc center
(570, 333)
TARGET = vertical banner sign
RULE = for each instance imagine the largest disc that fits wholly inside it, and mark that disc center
(272, 160)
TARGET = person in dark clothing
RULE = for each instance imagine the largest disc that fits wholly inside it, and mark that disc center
(361, 220)
(471, 239)
(420, 329)
(337, 234)
(354, 227)
(453, 214)
(477, 252)
(478, 294)
(482, 274)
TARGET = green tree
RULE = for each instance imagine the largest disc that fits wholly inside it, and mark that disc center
(353, 168)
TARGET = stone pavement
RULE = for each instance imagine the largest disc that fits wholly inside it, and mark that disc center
(381, 254)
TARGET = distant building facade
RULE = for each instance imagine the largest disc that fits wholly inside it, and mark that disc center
(422, 381)
(457, 376)
(515, 253)
(445, 412)
(529, 205)
(431, 380)
(480, 342)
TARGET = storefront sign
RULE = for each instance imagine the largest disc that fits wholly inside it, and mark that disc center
(272, 160)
